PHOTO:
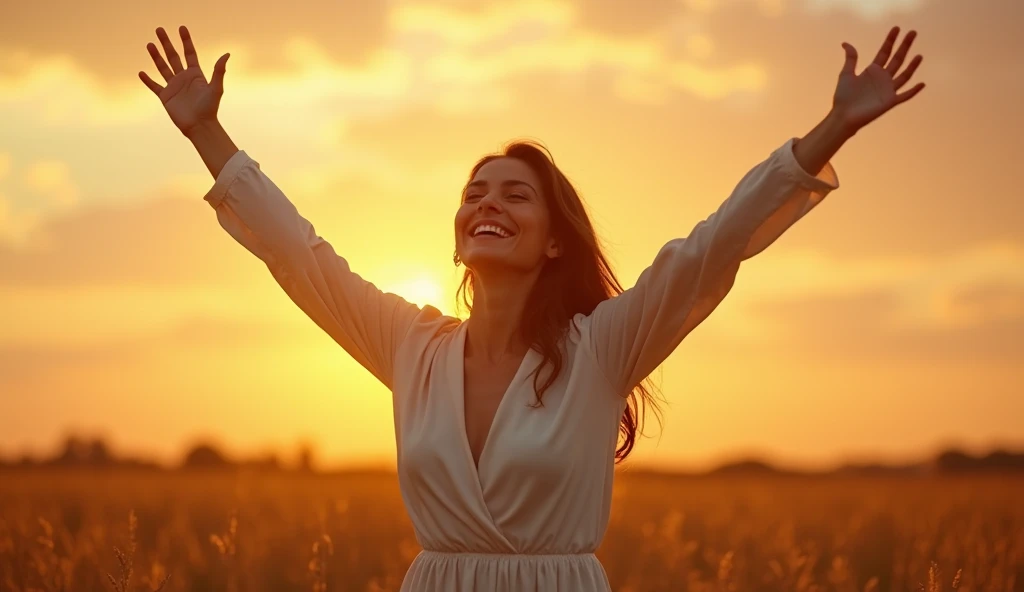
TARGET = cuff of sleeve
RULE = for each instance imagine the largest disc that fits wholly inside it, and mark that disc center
(825, 181)
(227, 176)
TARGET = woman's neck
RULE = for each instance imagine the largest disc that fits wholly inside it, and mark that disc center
(494, 324)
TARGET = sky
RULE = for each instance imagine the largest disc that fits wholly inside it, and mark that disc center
(885, 325)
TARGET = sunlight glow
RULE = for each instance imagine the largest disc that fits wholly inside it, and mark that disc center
(420, 290)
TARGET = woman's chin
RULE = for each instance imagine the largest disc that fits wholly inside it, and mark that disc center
(481, 258)
(487, 259)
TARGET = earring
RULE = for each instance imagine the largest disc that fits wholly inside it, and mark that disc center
(455, 259)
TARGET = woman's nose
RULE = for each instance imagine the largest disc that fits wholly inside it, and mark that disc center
(489, 200)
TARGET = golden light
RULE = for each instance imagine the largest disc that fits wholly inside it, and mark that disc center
(421, 290)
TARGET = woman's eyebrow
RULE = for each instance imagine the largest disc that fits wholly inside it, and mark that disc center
(505, 183)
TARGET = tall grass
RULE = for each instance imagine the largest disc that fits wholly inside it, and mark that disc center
(253, 533)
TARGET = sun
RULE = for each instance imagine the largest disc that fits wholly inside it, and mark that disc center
(421, 290)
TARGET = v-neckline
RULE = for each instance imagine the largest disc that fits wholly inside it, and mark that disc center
(460, 395)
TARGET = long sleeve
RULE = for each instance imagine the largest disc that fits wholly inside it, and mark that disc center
(632, 333)
(368, 323)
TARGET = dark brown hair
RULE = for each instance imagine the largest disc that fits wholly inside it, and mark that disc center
(575, 282)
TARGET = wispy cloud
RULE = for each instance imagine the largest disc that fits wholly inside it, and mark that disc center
(472, 52)
(55, 90)
(43, 186)
(866, 8)
(773, 8)
(51, 179)
(520, 21)
(936, 291)
(437, 58)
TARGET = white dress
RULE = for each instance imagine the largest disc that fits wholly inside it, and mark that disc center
(536, 510)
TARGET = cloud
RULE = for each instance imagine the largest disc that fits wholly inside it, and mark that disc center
(870, 9)
(379, 118)
(460, 59)
(991, 301)
(931, 289)
(189, 331)
(771, 8)
(507, 22)
(350, 30)
(430, 45)
(42, 187)
(872, 325)
(473, 52)
(57, 91)
(51, 179)
(16, 225)
(439, 59)
(965, 305)
(53, 107)
(54, 90)
(153, 242)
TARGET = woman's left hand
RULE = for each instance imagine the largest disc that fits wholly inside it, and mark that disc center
(860, 99)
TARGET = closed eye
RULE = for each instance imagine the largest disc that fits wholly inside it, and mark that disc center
(477, 196)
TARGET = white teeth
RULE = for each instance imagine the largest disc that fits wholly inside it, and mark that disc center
(497, 229)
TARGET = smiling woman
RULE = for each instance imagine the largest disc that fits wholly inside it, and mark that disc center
(506, 490)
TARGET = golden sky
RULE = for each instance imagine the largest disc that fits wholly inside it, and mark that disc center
(887, 322)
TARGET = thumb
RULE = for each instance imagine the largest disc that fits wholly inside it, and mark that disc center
(218, 74)
(851, 59)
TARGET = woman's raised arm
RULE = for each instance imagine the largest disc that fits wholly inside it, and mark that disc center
(368, 323)
(632, 333)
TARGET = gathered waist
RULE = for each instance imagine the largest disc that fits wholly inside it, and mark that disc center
(454, 571)
(428, 554)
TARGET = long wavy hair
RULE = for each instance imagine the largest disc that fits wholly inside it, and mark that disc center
(575, 282)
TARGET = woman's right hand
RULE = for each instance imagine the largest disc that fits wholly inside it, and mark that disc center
(188, 98)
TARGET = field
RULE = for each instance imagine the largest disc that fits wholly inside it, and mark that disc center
(261, 532)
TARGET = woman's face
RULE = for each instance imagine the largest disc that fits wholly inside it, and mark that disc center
(505, 193)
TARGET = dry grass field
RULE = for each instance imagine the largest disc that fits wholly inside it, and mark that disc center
(248, 532)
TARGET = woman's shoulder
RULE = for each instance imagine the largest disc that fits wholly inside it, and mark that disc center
(430, 325)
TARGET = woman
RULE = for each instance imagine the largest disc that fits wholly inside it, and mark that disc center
(508, 480)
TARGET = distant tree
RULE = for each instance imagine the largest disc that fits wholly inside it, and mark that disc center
(955, 460)
(78, 451)
(204, 456)
(74, 452)
(267, 462)
(748, 466)
(997, 460)
(99, 453)
(306, 458)
(1004, 459)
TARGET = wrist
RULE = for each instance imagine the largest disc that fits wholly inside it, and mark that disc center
(203, 129)
(839, 124)
(213, 144)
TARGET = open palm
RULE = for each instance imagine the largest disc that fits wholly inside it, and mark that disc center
(188, 98)
(863, 98)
